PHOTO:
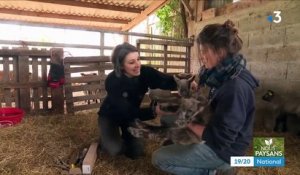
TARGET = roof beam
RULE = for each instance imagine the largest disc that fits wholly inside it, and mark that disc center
(92, 5)
(188, 8)
(144, 14)
(62, 16)
(64, 26)
(116, 30)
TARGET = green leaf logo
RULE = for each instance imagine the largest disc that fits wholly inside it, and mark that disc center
(269, 142)
(268, 146)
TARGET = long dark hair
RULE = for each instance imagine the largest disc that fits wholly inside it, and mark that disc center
(221, 36)
(119, 54)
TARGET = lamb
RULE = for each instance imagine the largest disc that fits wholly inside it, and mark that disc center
(183, 82)
(169, 101)
(265, 115)
(287, 111)
(289, 105)
(190, 109)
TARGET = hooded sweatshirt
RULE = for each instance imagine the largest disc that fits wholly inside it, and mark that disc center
(124, 94)
(230, 129)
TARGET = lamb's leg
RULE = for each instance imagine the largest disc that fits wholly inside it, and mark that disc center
(183, 136)
(138, 132)
(143, 130)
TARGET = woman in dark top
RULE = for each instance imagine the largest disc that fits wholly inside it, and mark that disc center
(229, 131)
(126, 86)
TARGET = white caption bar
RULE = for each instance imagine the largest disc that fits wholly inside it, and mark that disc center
(242, 161)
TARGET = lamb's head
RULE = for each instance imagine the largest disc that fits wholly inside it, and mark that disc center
(192, 104)
(184, 84)
(190, 108)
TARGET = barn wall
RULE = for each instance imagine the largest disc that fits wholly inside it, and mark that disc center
(272, 50)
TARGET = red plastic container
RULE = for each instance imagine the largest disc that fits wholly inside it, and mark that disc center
(10, 116)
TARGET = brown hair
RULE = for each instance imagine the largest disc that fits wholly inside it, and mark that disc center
(218, 36)
(119, 54)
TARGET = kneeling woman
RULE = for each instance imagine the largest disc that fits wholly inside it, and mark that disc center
(229, 132)
(126, 86)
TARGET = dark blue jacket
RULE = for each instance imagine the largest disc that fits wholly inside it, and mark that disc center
(229, 131)
(124, 95)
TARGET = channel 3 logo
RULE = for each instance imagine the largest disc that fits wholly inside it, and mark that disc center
(276, 18)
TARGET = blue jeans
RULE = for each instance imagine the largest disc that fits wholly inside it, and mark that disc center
(194, 159)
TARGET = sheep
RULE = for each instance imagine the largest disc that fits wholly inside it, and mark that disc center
(189, 109)
(289, 105)
(169, 101)
(286, 111)
(183, 82)
(265, 115)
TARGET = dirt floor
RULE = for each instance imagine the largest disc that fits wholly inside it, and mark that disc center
(34, 146)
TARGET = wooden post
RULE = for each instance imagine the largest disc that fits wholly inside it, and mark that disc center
(101, 72)
(68, 90)
(23, 72)
(138, 46)
(199, 9)
(58, 100)
(165, 58)
(15, 79)
(126, 38)
(101, 43)
(57, 93)
(35, 96)
(7, 75)
(45, 88)
(188, 59)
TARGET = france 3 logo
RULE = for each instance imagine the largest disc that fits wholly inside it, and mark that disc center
(276, 18)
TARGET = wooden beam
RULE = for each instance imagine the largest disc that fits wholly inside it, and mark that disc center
(162, 58)
(24, 52)
(200, 8)
(188, 8)
(208, 14)
(92, 5)
(49, 44)
(90, 59)
(115, 30)
(102, 43)
(62, 16)
(60, 25)
(90, 159)
(144, 14)
(160, 42)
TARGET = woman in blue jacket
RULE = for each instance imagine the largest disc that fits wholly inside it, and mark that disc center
(126, 86)
(229, 131)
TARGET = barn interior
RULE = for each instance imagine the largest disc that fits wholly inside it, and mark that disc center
(61, 122)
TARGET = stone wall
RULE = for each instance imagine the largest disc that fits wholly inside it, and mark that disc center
(272, 50)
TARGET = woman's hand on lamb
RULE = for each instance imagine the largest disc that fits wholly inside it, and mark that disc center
(196, 128)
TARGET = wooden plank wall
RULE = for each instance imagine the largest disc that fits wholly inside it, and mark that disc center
(85, 92)
(23, 82)
(23, 78)
(167, 56)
